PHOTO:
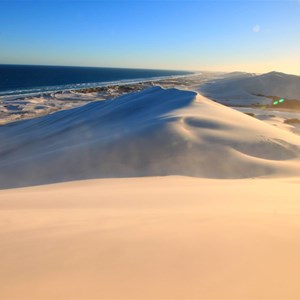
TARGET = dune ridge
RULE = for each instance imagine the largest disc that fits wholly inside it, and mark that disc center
(247, 88)
(151, 133)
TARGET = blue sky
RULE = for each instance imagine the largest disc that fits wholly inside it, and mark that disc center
(252, 35)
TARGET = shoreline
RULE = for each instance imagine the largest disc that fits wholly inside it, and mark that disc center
(27, 106)
(81, 86)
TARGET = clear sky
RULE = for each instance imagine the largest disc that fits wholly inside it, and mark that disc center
(247, 35)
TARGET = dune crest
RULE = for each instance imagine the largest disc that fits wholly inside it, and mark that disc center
(151, 133)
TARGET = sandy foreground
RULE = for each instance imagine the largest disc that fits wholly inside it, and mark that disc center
(151, 238)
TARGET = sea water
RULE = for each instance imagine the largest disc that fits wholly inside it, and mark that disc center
(28, 79)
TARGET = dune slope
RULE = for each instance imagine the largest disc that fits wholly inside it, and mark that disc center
(245, 88)
(151, 238)
(154, 132)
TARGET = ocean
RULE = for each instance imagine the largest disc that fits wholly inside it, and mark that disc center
(27, 79)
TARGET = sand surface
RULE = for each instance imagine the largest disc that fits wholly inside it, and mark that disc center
(247, 88)
(151, 238)
(151, 133)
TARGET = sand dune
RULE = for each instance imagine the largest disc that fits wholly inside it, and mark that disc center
(150, 133)
(279, 118)
(246, 88)
(169, 237)
(151, 238)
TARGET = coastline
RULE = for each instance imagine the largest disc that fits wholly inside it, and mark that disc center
(27, 106)
(26, 92)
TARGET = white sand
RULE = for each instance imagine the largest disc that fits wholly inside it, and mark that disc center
(16, 108)
(155, 132)
(244, 88)
(274, 117)
(151, 238)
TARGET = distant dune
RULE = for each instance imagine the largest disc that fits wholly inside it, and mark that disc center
(151, 133)
(245, 88)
